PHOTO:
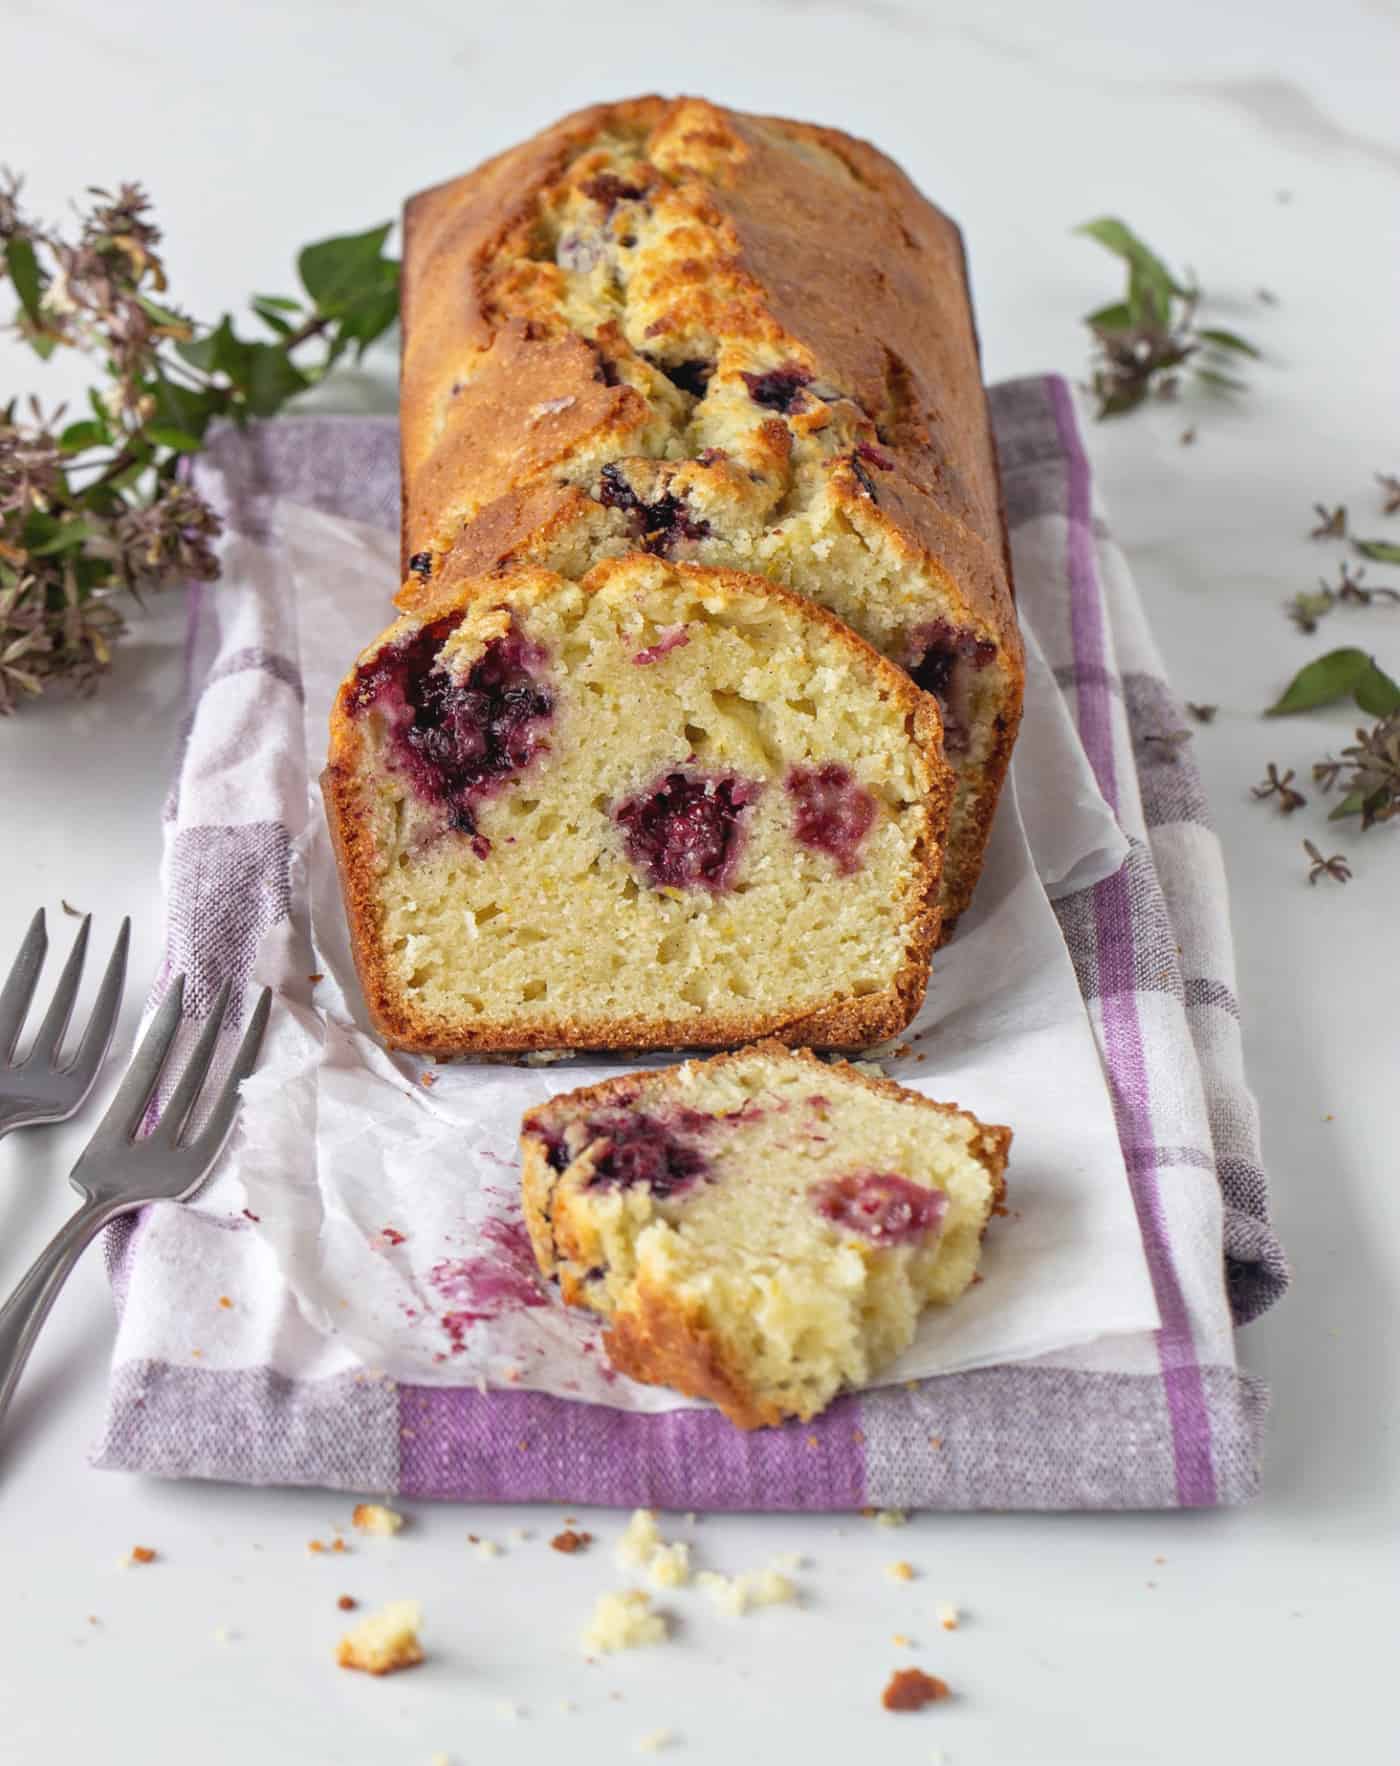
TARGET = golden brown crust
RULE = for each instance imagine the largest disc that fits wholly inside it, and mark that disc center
(662, 1343)
(656, 1339)
(832, 255)
(847, 1023)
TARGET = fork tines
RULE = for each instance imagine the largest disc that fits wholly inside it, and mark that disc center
(18, 994)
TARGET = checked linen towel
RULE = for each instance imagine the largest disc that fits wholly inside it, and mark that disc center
(1160, 1420)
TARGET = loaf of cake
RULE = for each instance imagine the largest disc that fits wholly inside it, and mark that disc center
(659, 806)
(728, 340)
(761, 1229)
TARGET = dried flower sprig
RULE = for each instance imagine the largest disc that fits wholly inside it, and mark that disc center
(1368, 772)
(1390, 492)
(1335, 867)
(96, 507)
(1280, 785)
(1306, 609)
(1203, 714)
(1144, 342)
(1331, 523)
(1369, 769)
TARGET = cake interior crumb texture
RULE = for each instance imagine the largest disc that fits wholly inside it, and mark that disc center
(762, 1229)
(739, 341)
(659, 807)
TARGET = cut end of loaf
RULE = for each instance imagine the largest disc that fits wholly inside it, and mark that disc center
(661, 806)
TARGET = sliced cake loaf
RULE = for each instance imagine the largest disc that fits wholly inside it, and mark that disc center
(761, 1229)
(660, 806)
(733, 340)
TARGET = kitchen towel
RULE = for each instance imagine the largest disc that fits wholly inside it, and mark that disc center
(388, 1185)
(1148, 1419)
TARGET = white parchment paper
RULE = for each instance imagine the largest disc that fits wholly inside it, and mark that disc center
(392, 1205)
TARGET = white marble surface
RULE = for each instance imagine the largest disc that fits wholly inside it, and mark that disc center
(1261, 145)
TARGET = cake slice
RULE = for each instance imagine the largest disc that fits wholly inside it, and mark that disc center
(761, 1229)
(653, 808)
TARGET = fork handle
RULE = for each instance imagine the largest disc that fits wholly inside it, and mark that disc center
(27, 1308)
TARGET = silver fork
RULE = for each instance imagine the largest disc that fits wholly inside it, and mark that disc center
(118, 1172)
(37, 1089)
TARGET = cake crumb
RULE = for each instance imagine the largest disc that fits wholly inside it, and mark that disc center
(901, 1641)
(569, 1541)
(669, 1565)
(734, 1595)
(948, 1616)
(223, 1635)
(384, 1642)
(508, 1709)
(347, 1603)
(486, 1548)
(373, 1517)
(910, 1689)
(654, 1741)
(568, 1707)
(640, 1539)
(623, 1620)
(225, 1303)
(900, 1571)
(140, 1554)
(891, 1517)
(521, 1534)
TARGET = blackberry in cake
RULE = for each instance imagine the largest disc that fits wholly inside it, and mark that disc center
(734, 341)
(761, 1229)
(660, 806)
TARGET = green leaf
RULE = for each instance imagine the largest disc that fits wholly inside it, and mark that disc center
(179, 439)
(1332, 677)
(1115, 318)
(1227, 340)
(1383, 551)
(1376, 694)
(64, 536)
(280, 303)
(1351, 805)
(272, 319)
(1340, 674)
(185, 408)
(28, 278)
(220, 351)
(164, 315)
(1114, 236)
(335, 272)
(86, 434)
(1221, 382)
(371, 317)
(271, 379)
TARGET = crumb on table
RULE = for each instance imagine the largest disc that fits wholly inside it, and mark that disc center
(624, 1620)
(570, 1541)
(910, 1689)
(385, 1641)
(374, 1517)
(140, 1554)
(900, 1571)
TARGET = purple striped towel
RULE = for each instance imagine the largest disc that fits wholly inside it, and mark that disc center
(1153, 1420)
